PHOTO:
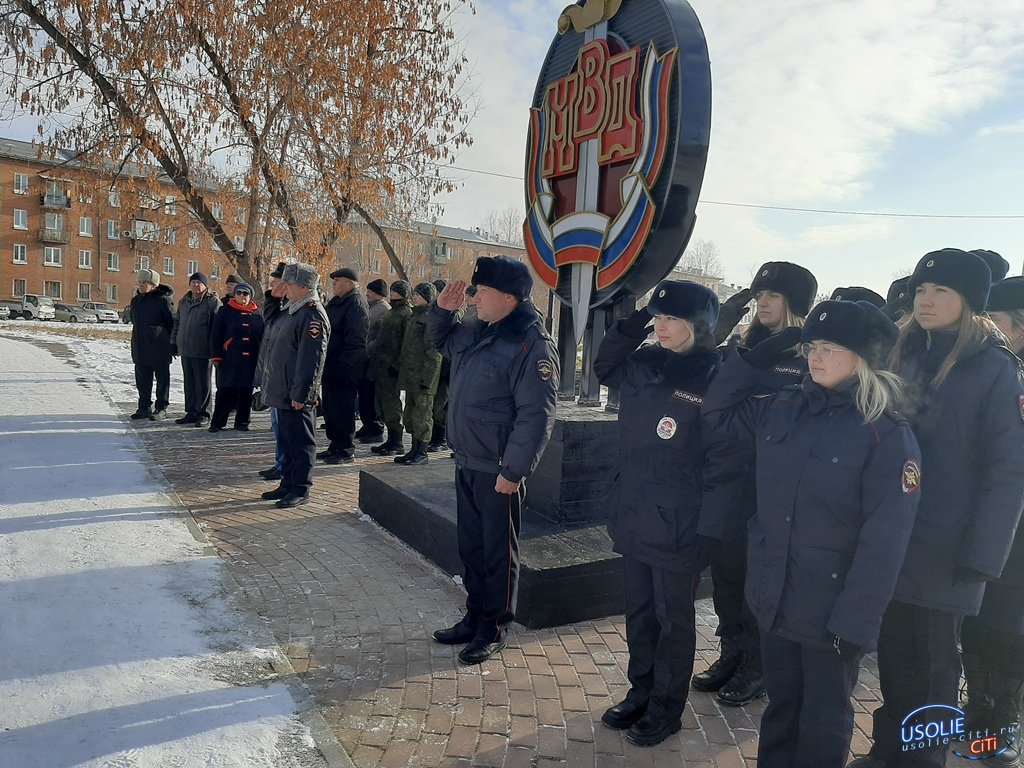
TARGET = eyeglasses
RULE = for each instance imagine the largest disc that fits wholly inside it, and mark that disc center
(823, 351)
(243, 293)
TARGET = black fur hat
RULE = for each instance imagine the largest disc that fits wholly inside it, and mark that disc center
(1007, 295)
(857, 293)
(378, 286)
(996, 263)
(898, 300)
(857, 325)
(685, 300)
(402, 288)
(505, 274)
(794, 282)
(964, 272)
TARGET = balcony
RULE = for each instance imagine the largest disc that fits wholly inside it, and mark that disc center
(47, 235)
(55, 200)
(141, 243)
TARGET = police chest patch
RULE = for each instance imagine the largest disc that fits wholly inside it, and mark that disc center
(788, 370)
(667, 427)
(911, 476)
(545, 370)
(315, 328)
(688, 397)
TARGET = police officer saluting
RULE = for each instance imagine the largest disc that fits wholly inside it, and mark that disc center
(292, 370)
(500, 413)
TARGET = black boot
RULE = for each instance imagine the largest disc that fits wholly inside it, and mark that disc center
(419, 453)
(719, 673)
(392, 445)
(746, 684)
(1007, 697)
(438, 441)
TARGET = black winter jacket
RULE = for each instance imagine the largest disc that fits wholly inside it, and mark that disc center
(836, 500)
(346, 350)
(676, 479)
(501, 404)
(296, 348)
(152, 322)
(235, 344)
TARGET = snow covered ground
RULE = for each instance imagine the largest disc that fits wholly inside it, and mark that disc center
(120, 644)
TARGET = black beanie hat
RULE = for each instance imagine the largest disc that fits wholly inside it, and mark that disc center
(1007, 295)
(857, 293)
(279, 269)
(347, 273)
(199, 276)
(440, 284)
(378, 286)
(686, 300)
(898, 300)
(997, 265)
(964, 272)
(427, 291)
(857, 325)
(402, 288)
(794, 282)
(505, 274)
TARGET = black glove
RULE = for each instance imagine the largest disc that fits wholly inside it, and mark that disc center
(771, 350)
(964, 574)
(847, 651)
(707, 550)
(174, 350)
(731, 312)
(636, 326)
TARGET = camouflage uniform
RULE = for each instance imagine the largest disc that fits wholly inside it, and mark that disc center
(419, 368)
(385, 361)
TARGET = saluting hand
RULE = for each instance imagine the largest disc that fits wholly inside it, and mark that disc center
(453, 296)
(505, 486)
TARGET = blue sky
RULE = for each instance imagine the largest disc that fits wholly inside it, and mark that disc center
(860, 105)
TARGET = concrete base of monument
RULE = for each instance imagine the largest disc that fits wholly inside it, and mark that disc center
(567, 574)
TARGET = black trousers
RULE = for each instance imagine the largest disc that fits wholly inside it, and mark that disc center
(809, 719)
(368, 407)
(661, 635)
(196, 372)
(297, 436)
(144, 376)
(1001, 649)
(918, 664)
(338, 407)
(238, 399)
(728, 575)
(488, 529)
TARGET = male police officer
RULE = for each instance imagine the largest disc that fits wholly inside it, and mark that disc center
(292, 369)
(500, 412)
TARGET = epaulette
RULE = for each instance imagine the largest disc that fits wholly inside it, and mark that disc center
(898, 417)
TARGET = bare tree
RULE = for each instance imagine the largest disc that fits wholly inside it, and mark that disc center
(702, 257)
(506, 224)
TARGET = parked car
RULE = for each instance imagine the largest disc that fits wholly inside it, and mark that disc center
(31, 307)
(69, 313)
(104, 312)
(126, 314)
(5, 312)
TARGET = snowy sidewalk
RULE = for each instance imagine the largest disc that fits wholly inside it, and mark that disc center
(120, 644)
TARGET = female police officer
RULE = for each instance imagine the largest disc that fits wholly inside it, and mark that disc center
(784, 293)
(964, 402)
(667, 512)
(837, 480)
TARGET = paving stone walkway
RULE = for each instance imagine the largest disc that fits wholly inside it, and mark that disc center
(353, 608)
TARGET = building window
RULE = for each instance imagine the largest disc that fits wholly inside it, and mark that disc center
(141, 262)
(85, 226)
(84, 292)
(193, 238)
(112, 293)
(54, 221)
(113, 262)
(51, 288)
(218, 211)
(215, 272)
(20, 253)
(113, 198)
(113, 233)
(239, 242)
(20, 218)
(170, 235)
(168, 266)
(193, 266)
(85, 259)
(51, 257)
(19, 287)
(375, 266)
(391, 269)
(170, 206)
(21, 183)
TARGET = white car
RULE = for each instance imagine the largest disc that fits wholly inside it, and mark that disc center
(104, 313)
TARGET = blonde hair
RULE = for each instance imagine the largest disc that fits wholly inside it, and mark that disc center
(688, 346)
(974, 329)
(877, 391)
(1016, 319)
(789, 320)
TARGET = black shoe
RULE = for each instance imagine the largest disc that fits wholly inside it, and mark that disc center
(405, 457)
(139, 414)
(442, 445)
(242, 427)
(391, 446)
(292, 500)
(719, 673)
(460, 634)
(744, 686)
(623, 714)
(479, 651)
(186, 420)
(214, 429)
(339, 458)
(201, 423)
(418, 455)
(272, 474)
(648, 731)
(158, 415)
(324, 454)
(278, 493)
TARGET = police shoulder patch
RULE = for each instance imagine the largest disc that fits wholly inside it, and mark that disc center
(1020, 402)
(545, 370)
(315, 328)
(911, 476)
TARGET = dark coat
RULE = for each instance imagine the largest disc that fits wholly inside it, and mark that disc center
(378, 310)
(676, 479)
(293, 365)
(971, 432)
(235, 344)
(388, 349)
(419, 364)
(193, 323)
(1003, 605)
(152, 322)
(501, 404)
(346, 350)
(836, 500)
